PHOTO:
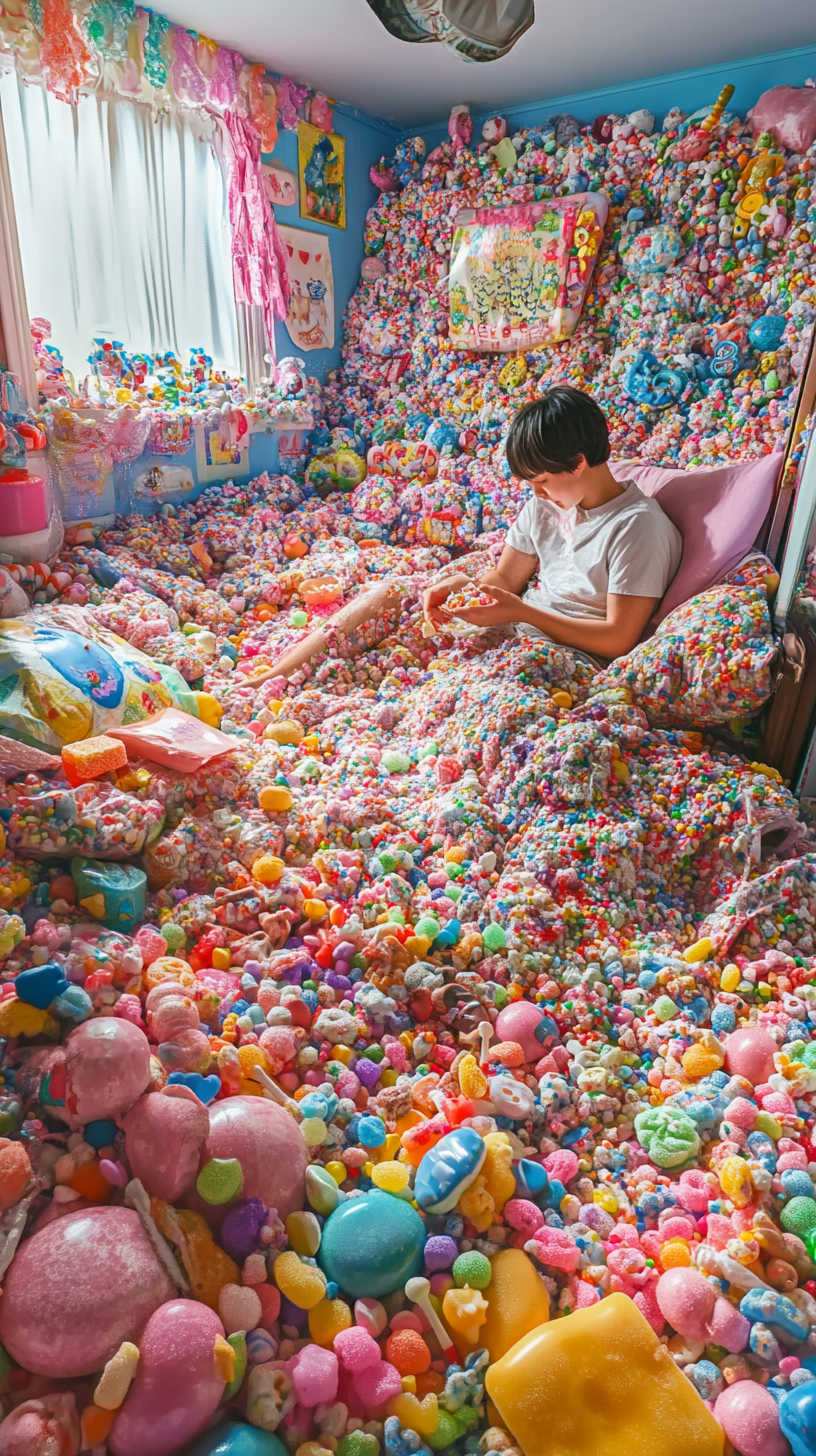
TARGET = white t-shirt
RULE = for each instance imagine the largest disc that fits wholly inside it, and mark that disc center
(626, 547)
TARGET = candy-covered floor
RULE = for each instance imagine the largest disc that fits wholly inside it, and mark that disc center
(429, 1066)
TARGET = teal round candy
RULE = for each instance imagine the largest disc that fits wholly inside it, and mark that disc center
(236, 1439)
(372, 1244)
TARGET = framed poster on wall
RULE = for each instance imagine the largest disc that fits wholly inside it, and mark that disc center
(310, 319)
(322, 175)
(218, 457)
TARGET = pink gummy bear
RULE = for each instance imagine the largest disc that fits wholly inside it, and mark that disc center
(377, 1384)
(77, 1289)
(693, 1308)
(268, 1145)
(177, 1387)
(164, 1136)
(40, 1427)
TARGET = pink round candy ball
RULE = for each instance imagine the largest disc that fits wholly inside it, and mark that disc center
(177, 1388)
(107, 1066)
(268, 1145)
(164, 1136)
(750, 1418)
(517, 1023)
(77, 1289)
(749, 1053)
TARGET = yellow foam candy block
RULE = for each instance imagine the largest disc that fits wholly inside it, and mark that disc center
(517, 1303)
(599, 1381)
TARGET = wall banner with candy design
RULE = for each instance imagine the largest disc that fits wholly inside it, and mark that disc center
(310, 319)
(519, 275)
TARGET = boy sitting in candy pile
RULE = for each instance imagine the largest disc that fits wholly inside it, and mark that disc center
(601, 551)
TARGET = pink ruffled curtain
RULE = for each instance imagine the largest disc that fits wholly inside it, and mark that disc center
(259, 261)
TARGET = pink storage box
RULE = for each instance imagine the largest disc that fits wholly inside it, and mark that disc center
(23, 503)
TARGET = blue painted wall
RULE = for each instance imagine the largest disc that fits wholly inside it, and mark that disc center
(687, 89)
(367, 139)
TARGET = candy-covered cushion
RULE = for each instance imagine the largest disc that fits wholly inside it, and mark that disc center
(709, 661)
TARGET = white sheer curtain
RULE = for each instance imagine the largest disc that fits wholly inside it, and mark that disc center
(123, 227)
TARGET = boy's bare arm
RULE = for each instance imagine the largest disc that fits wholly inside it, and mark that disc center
(614, 636)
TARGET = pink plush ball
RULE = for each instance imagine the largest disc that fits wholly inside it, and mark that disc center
(177, 1388)
(749, 1053)
(164, 1136)
(77, 1289)
(107, 1066)
(268, 1145)
(750, 1418)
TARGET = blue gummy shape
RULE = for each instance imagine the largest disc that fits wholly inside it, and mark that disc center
(797, 1418)
(775, 1310)
(205, 1088)
(448, 1169)
(236, 1439)
(532, 1181)
(39, 986)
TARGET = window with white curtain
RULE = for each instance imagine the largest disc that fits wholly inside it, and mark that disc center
(123, 226)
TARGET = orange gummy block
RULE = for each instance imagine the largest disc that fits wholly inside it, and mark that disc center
(95, 1424)
(91, 758)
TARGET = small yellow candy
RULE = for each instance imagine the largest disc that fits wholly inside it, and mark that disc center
(338, 1171)
(342, 1054)
(311, 743)
(388, 1078)
(116, 1378)
(303, 1232)
(275, 799)
(222, 958)
(268, 869)
(209, 709)
(252, 1056)
(735, 1181)
(472, 1079)
(730, 979)
(418, 946)
(17, 1018)
(768, 1124)
(421, 1416)
(314, 909)
(455, 854)
(391, 1177)
(284, 731)
(561, 699)
(327, 1319)
(606, 1200)
(465, 1310)
(303, 1284)
(620, 772)
(701, 950)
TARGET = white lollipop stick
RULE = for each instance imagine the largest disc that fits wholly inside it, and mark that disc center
(419, 1291)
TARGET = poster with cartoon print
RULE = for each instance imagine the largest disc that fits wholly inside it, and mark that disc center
(310, 319)
(322, 171)
(519, 275)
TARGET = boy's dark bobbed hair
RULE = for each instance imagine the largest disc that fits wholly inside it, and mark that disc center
(549, 435)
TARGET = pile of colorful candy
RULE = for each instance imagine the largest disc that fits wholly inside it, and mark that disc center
(439, 1048)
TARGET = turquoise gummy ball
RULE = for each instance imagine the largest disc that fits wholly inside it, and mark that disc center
(372, 1245)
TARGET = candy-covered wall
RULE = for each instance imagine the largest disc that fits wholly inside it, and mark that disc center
(687, 89)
